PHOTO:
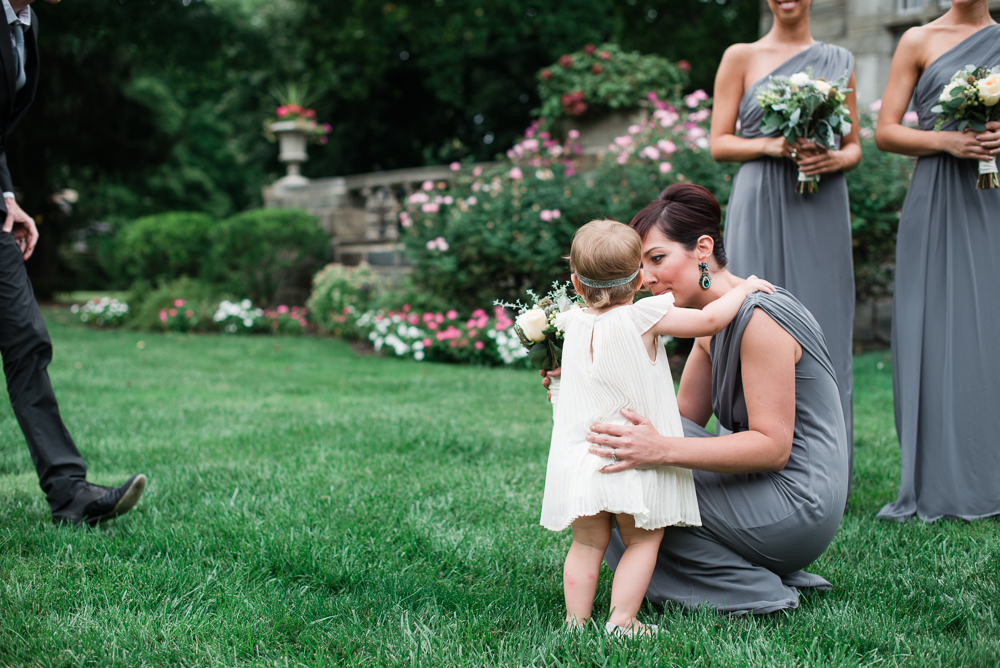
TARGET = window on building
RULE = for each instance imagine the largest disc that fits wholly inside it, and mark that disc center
(910, 6)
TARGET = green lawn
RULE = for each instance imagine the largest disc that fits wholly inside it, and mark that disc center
(308, 506)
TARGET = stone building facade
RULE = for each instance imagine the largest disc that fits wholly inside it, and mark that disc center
(870, 29)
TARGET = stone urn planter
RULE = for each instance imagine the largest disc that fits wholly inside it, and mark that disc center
(291, 151)
(598, 129)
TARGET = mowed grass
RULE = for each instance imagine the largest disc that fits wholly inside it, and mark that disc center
(309, 506)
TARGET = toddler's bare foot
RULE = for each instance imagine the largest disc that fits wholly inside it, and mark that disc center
(633, 629)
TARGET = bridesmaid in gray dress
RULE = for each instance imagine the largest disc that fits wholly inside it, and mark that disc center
(946, 311)
(772, 493)
(800, 242)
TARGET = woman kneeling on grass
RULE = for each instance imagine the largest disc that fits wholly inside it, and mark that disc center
(612, 359)
(771, 492)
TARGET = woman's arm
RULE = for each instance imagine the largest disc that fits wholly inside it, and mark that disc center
(768, 355)
(891, 135)
(821, 160)
(687, 323)
(725, 145)
(694, 397)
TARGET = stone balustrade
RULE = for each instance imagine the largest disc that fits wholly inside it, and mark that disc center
(357, 211)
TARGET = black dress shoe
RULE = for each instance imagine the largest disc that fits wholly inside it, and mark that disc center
(95, 503)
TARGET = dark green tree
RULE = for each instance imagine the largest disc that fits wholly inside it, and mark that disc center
(427, 81)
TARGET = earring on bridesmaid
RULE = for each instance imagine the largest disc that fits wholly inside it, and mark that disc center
(706, 280)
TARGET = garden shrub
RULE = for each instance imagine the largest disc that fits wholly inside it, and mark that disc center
(182, 296)
(339, 291)
(163, 247)
(596, 79)
(267, 255)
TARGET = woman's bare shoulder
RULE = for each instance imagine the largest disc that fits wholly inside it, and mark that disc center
(734, 58)
(764, 336)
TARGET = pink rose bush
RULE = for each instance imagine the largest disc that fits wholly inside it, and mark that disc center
(596, 79)
(502, 226)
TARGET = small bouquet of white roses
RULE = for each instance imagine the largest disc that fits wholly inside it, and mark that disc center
(971, 98)
(800, 106)
(535, 326)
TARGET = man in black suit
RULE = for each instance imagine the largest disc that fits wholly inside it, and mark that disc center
(24, 342)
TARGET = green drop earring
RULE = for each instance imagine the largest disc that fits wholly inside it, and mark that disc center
(706, 280)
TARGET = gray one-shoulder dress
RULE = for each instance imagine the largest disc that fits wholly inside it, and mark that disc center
(800, 242)
(946, 322)
(760, 529)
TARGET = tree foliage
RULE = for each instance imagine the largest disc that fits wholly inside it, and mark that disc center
(147, 106)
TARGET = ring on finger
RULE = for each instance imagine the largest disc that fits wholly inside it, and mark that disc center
(794, 153)
(613, 458)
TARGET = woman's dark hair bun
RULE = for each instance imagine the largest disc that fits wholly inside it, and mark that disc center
(684, 212)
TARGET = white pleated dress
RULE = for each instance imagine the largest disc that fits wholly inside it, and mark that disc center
(620, 375)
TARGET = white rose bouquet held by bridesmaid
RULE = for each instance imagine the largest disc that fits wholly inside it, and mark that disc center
(813, 109)
(971, 98)
(535, 326)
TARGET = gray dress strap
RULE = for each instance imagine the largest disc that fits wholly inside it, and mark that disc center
(946, 316)
(760, 529)
(801, 242)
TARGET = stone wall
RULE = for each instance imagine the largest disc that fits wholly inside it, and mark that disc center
(357, 212)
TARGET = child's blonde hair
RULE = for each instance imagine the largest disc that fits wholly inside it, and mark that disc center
(605, 250)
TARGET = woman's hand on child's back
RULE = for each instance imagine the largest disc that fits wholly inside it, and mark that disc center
(754, 284)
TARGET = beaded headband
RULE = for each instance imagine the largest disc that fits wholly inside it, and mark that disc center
(613, 283)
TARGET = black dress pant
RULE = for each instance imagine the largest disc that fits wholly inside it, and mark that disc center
(27, 351)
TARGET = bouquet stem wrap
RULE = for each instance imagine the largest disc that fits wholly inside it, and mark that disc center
(807, 184)
(988, 176)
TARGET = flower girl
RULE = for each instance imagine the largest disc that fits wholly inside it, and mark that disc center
(613, 360)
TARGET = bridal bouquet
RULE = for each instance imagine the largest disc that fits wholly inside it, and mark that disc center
(800, 106)
(535, 326)
(972, 98)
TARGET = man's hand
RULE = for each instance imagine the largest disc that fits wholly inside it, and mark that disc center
(22, 226)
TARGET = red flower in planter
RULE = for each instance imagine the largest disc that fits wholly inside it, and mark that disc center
(546, 74)
(590, 49)
(566, 62)
(596, 69)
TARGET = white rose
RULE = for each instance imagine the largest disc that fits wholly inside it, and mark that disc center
(822, 86)
(989, 90)
(799, 79)
(533, 323)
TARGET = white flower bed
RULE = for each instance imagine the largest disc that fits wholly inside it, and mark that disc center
(232, 316)
(102, 312)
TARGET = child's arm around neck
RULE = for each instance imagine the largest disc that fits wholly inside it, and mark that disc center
(689, 323)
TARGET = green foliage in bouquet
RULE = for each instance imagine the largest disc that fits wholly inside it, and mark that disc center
(163, 247)
(536, 328)
(605, 77)
(802, 107)
(972, 98)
